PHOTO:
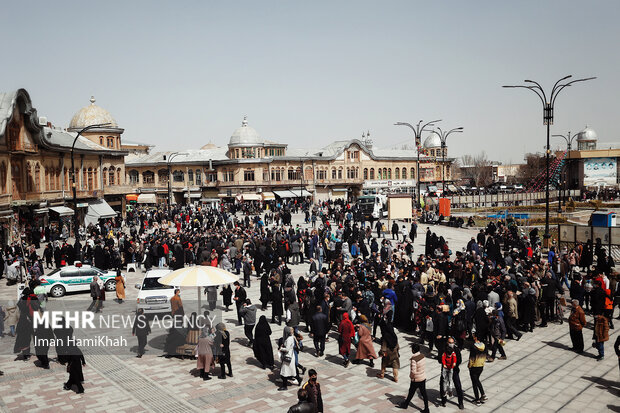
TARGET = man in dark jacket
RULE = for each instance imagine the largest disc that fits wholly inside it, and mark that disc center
(95, 294)
(313, 388)
(303, 405)
(240, 297)
(248, 312)
(440, 328)
(247, 271)
(319, 327)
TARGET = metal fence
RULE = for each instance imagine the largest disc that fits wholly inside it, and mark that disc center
(569, 235)
(508, 199)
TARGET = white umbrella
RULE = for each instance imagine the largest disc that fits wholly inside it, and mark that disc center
(199, 276)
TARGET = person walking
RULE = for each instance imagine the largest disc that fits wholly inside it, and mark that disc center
(240, 297)
(95, 294)
(262, 343)
(576, 323)
(287, 357)
(477, 357)
(226, 294)
(120, 287)
(75, 362)
(346, 331)
(601, 335)
(204, 355)
(222, 348)
(498, 334)
(176, 304)
(417, 374)
(141, 329)
(248, 312)
(450, 362)
(365, 348)
(302, 405)
(313, 388)
(319, 327)
(389, 348)
(247, 271)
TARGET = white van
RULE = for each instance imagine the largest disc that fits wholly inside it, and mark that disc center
(154, 297)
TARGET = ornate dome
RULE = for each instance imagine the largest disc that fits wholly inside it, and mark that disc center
(587, 135)
(92, 115)
(433, 141)
(245, 135)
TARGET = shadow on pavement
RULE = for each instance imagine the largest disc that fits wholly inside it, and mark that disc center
(604, 384)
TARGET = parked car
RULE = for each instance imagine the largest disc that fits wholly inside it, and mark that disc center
(76, 278)
(154, 297)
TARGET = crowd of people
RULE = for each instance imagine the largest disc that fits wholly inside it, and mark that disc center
(359, 281)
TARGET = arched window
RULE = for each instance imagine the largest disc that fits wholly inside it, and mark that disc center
(29, 180)
(178, 176)
(101, 140)
(404, 173)
(16, 176)
(190, 176)
(389, 173)
(118, 177)
(198, 177)
(396, 173)
(105, 176)
(148, 177)
(111, 176)
(365, 173)
(413, 175)
(84, 179)
(47, 179)
(333, 173)
(340, 173)
(134, 177)
(162, 176)
(372, 173)
(89, 179)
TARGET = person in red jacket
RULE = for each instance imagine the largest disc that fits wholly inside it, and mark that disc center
(450, 360)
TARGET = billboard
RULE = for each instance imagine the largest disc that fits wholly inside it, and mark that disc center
(600, 172)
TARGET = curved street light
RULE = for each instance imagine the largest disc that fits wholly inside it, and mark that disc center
(548, 104)
(417, 131)
(73, 186)
(443, 136)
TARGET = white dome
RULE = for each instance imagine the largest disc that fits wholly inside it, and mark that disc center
(432, 141)
(245, 135)
(587, 135)
(92, 115)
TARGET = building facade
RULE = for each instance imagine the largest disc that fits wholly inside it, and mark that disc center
(593, 165)
(35, 168)
(253, 168)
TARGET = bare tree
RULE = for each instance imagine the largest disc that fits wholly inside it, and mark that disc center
(534, 167)
(477, 169)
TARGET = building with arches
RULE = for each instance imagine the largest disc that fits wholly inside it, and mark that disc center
(35, 167)
(253, 168)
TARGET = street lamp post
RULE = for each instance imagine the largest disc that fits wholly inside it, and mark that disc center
(417, 131)
(569, 143)
(73, 186)
(443, 136)
(548, 104)
(168, 160)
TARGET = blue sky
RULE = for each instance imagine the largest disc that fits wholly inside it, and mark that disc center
(182, 74)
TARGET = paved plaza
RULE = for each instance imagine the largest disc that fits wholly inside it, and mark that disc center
(540, 374)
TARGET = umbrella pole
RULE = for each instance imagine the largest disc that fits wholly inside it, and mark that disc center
(199, 305)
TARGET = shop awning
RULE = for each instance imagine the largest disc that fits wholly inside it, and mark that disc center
(97, 210)
(339, 189)
(300, 193)
(209, 200)
(147, 199)
(62, 211)
(284, 194)
(41, 210)
(249, 197)
(268, 196)
(192, 195)
(224, 195)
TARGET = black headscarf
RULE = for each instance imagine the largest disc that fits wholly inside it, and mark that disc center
(388, 334)
(262, 328)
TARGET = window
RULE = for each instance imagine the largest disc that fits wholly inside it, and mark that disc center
(237, 153)
(37, 178)
(365, 173)
(3, 177)
(212, 176)
(340, 173)
(178, 176)
(110, 140)
(413, 175)
(333, 173)
(294, 174)
(84, 179)
(90, 179)
(190, 176)
(396, 173)
(265, 175)
(354, 155)
(372, 173)
(101, 140)
(276, 174)
(198, 177)
(148, 177)
(133, 177)
(105, 176)
(111, 176)
(162, 175)
(389, 173)
(321, 174)
(248, 175)
(404, 173)
(229, 175)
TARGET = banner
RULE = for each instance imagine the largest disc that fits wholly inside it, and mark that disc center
(600, 172)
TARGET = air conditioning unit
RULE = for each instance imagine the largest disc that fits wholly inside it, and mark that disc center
(42, 121)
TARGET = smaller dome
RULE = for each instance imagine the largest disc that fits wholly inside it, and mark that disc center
(245, 135)
(433, 141)
(92, 115)
(209, 145)
(587, 135)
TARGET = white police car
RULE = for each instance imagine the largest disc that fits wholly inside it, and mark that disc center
(154, 297)
(76, 278)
